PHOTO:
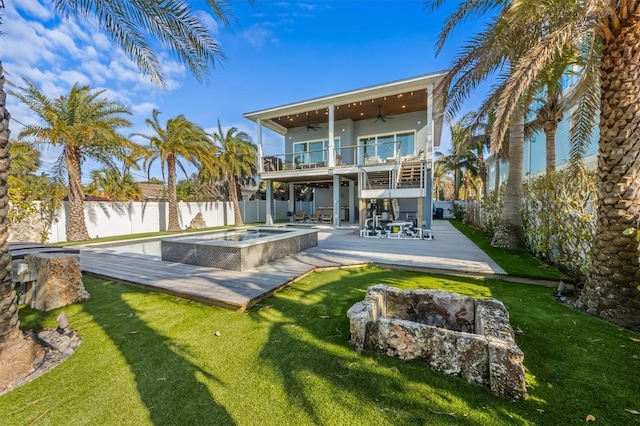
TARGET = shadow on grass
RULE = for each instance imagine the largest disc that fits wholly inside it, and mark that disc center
(166, 381)
(309, 347)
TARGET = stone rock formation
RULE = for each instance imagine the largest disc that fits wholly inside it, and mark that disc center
(197, 222)
(59, 281)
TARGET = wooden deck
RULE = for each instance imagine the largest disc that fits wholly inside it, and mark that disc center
(450, 252)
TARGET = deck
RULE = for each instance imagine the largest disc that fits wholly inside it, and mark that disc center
(449, 252)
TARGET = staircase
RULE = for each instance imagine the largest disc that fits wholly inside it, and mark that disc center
(379, 179)
(411, 175)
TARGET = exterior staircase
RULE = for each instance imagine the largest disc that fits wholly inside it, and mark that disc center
(410, 175)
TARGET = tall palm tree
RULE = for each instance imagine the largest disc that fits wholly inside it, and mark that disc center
(493, 50)
(604, 34)
(237, 157)
(134, 26)
(85, 125)
(178, 139)
(10, 334)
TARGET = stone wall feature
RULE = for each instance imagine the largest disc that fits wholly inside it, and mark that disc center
(460, 336)
(59, 281)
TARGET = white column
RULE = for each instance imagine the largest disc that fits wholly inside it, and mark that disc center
(269, 203)
(428, 149)
(332, 150)
(292, 201)
(260, 165)
(352, 201)
(336, 200)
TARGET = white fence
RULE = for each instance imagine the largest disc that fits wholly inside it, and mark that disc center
(104, 219)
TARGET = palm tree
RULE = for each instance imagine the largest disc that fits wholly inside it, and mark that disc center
(604, 34)
(178, 138)
(84, 125)
(442, 180)
(237, 157)
(134, 26)
(108, 182)
(10, 334)
(25, 158)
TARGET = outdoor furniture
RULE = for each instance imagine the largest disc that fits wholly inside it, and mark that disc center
(301, 216)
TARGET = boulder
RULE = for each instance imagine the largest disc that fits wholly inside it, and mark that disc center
(58, 283)
(197, 222)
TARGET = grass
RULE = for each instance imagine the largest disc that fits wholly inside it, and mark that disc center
(519, 263)
(149, 358)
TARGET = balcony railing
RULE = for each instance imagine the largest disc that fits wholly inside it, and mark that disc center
(345, 156)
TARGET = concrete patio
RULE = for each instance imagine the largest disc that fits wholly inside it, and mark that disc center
(449, 252)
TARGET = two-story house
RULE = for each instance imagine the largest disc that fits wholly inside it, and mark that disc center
(366, 152)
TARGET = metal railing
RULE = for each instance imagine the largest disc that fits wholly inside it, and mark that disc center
(350, 155)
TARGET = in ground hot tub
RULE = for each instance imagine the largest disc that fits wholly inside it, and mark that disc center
(239, 249)
(456, 335)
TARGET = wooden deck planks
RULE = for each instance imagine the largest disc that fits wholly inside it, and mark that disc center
(239, 290)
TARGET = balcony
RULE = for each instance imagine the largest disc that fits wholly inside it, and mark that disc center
(363, 154)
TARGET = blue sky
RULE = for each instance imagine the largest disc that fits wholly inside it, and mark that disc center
(277, 53)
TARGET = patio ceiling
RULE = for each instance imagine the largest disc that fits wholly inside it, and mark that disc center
(361, 110)
(388, 99)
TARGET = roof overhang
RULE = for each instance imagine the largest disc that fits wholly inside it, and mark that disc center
(397, 97)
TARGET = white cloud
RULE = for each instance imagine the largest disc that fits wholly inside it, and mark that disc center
(208, 22)
(144, 109)
(72, 77)
(33, 8)
(259, 35)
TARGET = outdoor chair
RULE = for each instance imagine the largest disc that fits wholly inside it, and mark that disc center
(301, 216)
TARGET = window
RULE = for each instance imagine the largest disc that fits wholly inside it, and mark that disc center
(385, 147)
(313, 152)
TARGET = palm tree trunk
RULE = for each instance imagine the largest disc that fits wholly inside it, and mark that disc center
(10, 334)
(172, 195)
(550, 127)
(612, 289)
(233, 196)
(509, 233)
(77, 230)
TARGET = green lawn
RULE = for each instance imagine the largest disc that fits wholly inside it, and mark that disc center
(519, 263)
(150, 358)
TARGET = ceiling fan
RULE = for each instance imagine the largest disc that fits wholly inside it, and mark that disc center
(380, 116)
(310, 126)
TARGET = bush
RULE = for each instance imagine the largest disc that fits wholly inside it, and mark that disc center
(559, 219)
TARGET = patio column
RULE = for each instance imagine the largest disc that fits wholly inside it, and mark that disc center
(336, 200)
(332, 151)
(260, 165)
(292, 201)
(352, 209)
(428, 151)
(269, 203)
(428, 199)
(362, 206)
